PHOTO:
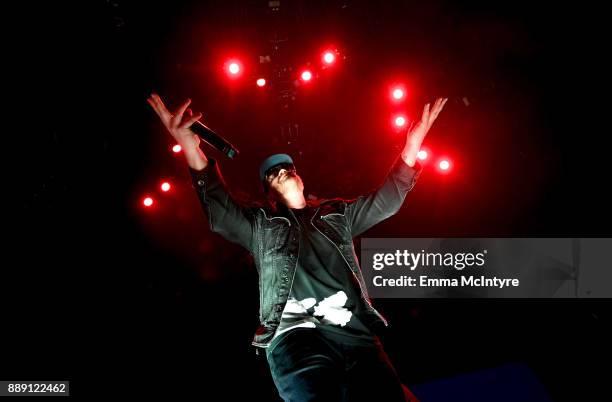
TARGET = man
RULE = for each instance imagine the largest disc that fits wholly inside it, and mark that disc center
(317, 322)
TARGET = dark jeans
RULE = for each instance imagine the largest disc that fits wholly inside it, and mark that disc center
(306, 365)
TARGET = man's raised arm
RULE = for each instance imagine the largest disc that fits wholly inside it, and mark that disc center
(178, 125)
(225, 216)
(368, 210)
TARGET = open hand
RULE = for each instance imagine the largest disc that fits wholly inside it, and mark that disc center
(417, 133)
(178, 123)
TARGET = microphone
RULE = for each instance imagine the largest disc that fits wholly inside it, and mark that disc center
(214, 139)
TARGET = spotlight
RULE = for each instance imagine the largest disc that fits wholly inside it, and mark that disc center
(233, 68)
(261, 82)
(400, 121)
(177, 148)
(398, 93)
(147, 201)
(444, 165)
(422, 155)
(165, 186)
(329, 57)
(306, 75)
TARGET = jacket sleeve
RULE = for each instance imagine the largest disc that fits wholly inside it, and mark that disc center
(368, 210)
(225, 216)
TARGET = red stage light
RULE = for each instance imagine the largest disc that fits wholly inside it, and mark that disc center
(233, 68)
(329, 57)
(397, 91)
(306, 75)
(165, 186)
(147, 202)
(422, 155)
(444, 165)
(177, 148)
(400, 121)
(261, 82)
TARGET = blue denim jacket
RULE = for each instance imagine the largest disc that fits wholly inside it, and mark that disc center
(273, 240)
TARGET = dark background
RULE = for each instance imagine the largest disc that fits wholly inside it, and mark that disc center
(114, 297)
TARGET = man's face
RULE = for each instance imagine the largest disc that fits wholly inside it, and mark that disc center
(283, 179)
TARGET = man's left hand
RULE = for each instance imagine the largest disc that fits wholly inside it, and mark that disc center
(417, 133)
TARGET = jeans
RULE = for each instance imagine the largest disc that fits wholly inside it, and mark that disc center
(307, 365)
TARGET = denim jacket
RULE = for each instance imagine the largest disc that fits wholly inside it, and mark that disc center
(272, 237)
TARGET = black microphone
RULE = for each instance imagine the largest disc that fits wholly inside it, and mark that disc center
(214, 139)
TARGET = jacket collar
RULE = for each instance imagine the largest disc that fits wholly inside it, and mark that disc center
(280, 209)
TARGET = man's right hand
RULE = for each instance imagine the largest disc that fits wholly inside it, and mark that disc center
(178, 126)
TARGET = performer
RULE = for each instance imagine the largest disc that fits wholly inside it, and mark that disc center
(317, 321)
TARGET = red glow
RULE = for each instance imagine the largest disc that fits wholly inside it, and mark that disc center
(261, 82)
(422, 155)
(400, 121)
(233, 68)
(306, 75)
(329, 57)
(177, 148)
(165, 186)
(147, 202)
(397, 91)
